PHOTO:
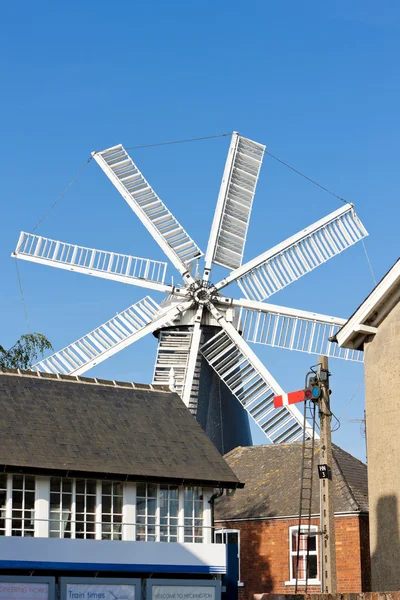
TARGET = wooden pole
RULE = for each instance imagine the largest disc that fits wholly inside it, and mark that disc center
(328, 549)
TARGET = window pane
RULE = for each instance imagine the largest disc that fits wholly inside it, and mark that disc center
(17, 499)
(80, 503)
(90, 503)
(66, 501)
(198, 510)
(29, 499)
(17, 482)
(54, 501)
(3, 498)
(151, 490)
(55, 483)
(67, 485)
(141, 506)
(91, 486)
(312, 566)
(173, 493)
(141, 490)
(3, 481)
(80, 486)
(312, 543)
(106, 488)
(29, 482)
(198, 493)
(117, 505)
(118, 488)
(151, 507)
(106, 504)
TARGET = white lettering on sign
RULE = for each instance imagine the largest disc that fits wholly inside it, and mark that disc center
(183, 592)
(92, 591)
(24, 591)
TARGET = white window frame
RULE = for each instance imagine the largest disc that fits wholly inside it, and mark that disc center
(223, 535)
(194, 538)
(22, 510)
(293, 553)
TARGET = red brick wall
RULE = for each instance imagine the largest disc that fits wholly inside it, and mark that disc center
(264, 555)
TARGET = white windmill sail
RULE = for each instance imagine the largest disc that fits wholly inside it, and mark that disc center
(235, 201)
(116, 334)
(181, 326)
(155, 216)
(172, 353)
(288, 261)
(252, 384)
(293, 329)
(136, 271)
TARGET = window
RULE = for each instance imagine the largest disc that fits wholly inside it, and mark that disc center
(111, 506)
(229, 536)
(193, 514)
(146, 512)
(169, 508)
(312, 568)
(85, 508)
(61, 493)
(3, 502)
(23, 505)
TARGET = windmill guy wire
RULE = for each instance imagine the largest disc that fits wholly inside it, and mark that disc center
(308, 178)
(22, 296)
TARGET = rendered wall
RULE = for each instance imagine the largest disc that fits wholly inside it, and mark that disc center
(382, 380)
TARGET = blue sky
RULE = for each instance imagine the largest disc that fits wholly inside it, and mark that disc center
(317, 83)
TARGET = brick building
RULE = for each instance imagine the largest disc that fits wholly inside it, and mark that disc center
(266, 514)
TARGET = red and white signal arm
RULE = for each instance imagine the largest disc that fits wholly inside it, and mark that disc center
(290, 398)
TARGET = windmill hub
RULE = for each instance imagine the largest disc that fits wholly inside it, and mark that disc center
(201, 291)
(196, 308)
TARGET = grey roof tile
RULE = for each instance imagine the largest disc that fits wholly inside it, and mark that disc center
(90, 427)
(272, 477)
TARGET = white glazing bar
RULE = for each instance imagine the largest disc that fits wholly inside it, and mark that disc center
(102, 263)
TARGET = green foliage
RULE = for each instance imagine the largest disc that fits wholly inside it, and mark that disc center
(25, 351)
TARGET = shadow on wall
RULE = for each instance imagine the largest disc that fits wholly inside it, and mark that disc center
(385, 561)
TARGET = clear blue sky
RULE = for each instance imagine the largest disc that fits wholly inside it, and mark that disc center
(318, 83)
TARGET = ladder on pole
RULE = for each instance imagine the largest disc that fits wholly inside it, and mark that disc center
(305, 505)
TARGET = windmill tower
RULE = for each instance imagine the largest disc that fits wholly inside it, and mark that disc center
(202, 333)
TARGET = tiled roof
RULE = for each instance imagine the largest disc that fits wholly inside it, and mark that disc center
(272, 477)
(102, 427)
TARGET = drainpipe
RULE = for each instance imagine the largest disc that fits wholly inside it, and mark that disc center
(211, 502)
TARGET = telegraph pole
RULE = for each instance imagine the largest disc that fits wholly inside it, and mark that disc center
(328, 549)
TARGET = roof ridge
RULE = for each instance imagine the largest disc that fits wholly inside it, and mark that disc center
(348, 486)
(86, 380)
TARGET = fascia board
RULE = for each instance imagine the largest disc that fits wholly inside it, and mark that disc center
(377, 297)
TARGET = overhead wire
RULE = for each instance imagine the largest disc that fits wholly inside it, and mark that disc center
(198, 139)
(169, 143)
(306, 177)
(369, 262)
(22, 296)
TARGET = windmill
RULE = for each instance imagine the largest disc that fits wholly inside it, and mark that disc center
(202, 333)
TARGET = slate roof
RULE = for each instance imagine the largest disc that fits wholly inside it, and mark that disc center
(91, 426)
(272, 477)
